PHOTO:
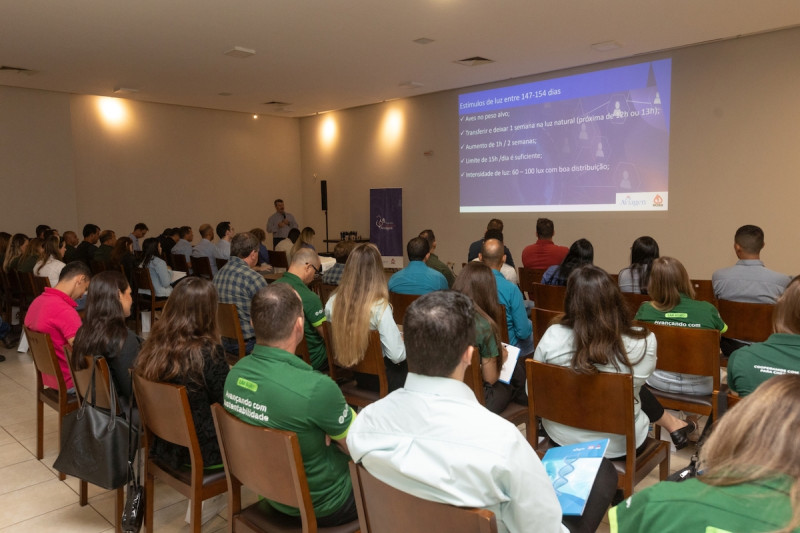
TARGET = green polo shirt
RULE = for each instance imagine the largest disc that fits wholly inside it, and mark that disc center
(752, 365)
(315, 315)
(692, 506)
(435, 263)
(484, 338)
(276, 389)
(688, 313)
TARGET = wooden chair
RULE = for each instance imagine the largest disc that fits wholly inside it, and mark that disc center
(688, 351)
(302, 351)
(231, 328)
(145, 302)
(97, 266)
(503, 325)
(541, 320)
(278, 260)
(180, 263)
(597, 402)
(384, 509)
(549, 296)
(703, 290)
(633, 301)
(39, 284)
(749, 322)
(201, 266)
(515, 413)
(400, 303)
(220, 262)
(9, 298)
(25, 280)
(268, 461)
(372, 363)
(165, 413)
(733, 399)
(325, 291)
(527, 277)
(46, 361)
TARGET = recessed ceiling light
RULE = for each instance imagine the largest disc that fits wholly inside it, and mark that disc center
(240, 52)
(474, 61)
(606, 46)
(423, 40)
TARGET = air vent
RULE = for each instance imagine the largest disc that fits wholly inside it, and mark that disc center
(276, 103)
(474, 61)
(18, 70)
(423, 40)
(239, 52)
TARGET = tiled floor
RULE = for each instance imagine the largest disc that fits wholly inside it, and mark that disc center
(33, 499)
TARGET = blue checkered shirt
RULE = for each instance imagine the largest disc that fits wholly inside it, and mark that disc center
(236, 284)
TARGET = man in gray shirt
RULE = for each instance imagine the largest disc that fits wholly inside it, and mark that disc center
(280, 223)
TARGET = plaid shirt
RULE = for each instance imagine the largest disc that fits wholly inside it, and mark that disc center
(333, 275)
(236, 284)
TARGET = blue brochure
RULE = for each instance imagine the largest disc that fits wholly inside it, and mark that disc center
(572, 470)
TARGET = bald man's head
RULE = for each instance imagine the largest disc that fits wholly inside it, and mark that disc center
(492, 253)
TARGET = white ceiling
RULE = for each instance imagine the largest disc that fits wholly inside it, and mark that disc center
(321, 55)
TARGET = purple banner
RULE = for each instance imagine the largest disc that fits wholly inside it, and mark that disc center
(386, 224)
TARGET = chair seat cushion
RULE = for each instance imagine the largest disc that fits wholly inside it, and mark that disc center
(264, 517)
(698, 399)
(184, 475)
(515, 413)
(650, 446)
(351, 389)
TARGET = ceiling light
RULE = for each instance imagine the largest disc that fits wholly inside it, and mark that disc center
(474, 61)
(606, 46)
(423, 40)
(240, 52)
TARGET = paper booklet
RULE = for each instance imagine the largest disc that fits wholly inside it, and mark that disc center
(572, 470)
(511, 362)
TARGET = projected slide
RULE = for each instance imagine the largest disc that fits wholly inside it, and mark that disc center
(590, 142)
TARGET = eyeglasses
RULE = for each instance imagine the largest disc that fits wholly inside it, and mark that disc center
(316, 270)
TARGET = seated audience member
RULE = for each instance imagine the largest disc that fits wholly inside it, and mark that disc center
(580, 253)
(136, 236)
(54, 312)
(31, 255)
(16, 248)
(5, 240)
(750, 366)
(341, 252)
(749, 280)
(184, 348)
(544, 253)
(477, 281)
(520, 330)
(237, 283)
(508, 272)
(184, 244)
(595, 335)
(433, 260)
(107, 241)
(304, 266)
(168, 239)
(749, 473)
(160, 275)
(417, 277)
(205, 248)
(297, 399)
(635, 277)
(475, 247)
(263, 252)
(433, 440)
(71, 250)
(88, 247)
(360, 305)
(672, 304)
(50, 263)
(286, 245)
(305, 240)
(104, 331)
(225, 232)
(41, 229)
(122, 255)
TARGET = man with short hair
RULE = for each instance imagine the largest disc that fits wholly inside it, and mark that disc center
(184, 244)
(304, 266)
(520, 330)
(54, 312)
(206, 248)
(341, 252)
(70, 250)
(475, 247)
(433, 260)
(272, 387)
(433, 440)
(138, 233)
(508, 272)
(107, 241)
(417, 277)
(280, 223)
(236, 284)
(544, 253)
(168, 239)
(88, 247)
(41, 229)
(225, 232)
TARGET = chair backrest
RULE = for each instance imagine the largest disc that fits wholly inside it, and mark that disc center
(44, 356)
(325, 291)
(371, 363)
(400, 303)
(201, 266)
(220, 262)
(529, 276)
(384, 509)
(596, 402)
(502, 323)
(39, 284)
(81, 377)
(473, 377)
(230, 326)
(266, 460)
(302, 351)
(165, 412)
(747, 321)
(633, 301)
(26, 281)
(180, 263)
(687, 350)
(278, 259)
(733, 399)
(549, 296)
(704, 290)
(97, 266)
(541, 320)
(141, 278)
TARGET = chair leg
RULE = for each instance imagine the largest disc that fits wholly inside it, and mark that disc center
(39, 429)
(197, 513)
(84, 493)
(120, 503)
(663, 468)
(148, 499)
(61, 475)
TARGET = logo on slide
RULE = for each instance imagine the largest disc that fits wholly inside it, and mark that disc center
(381, 223)
(658, 201)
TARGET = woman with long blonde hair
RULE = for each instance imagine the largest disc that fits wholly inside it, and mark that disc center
(305, 240)
(17, 247)
(359, 305)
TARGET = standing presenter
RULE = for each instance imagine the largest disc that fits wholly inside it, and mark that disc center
(280, 223)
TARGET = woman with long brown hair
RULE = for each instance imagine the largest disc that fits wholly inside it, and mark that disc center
(359, 305)
(122, 256)
(16, 247)
(50, 260)
(29, 258)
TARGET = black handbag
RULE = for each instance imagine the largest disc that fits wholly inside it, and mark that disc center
(94, 442)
